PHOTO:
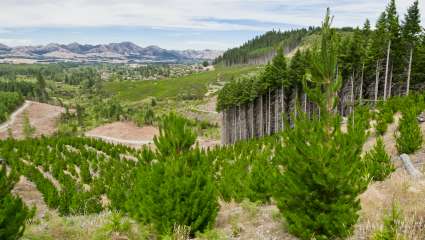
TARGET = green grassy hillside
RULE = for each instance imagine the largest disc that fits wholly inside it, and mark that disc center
(194, 86)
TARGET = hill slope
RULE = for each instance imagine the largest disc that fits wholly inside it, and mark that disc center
(124, 51)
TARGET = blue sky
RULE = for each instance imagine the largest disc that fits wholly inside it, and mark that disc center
(172, 24)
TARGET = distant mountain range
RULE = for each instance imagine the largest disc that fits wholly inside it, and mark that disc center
(114, 52)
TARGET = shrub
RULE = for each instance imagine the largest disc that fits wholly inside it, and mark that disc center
(392, 223)
(178, 190)
(385, 116)
(317, 193)
(409, 137)
(13, 212)
(378, 162)
(175, 135)
(322, 175)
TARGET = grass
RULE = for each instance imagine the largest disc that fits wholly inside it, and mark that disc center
(194, 86)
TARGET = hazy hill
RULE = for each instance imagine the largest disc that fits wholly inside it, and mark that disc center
(124, 51)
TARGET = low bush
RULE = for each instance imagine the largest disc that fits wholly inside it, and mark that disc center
(378, 162)
(409, 137)
(13, 212)
(179, 189)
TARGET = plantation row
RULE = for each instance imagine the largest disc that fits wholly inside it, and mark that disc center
(179, 183)
(9, 101)
(84, 168)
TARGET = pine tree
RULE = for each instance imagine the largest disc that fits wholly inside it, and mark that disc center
(175, 135)
(395, 53)
(318, 191)
(378, 162)
(13, 212)
(411, 30)
(179, 189)
(409, 138)
(41, 84)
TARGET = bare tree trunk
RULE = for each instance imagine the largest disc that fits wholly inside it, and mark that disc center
(276, 110)
(234, 125)
(223, 127)
(377, 81)
(239, 123)
(409, 72)
(352, 94)
(261, 116)
(387, 69)
(269, 115)
(296, 103)
(282, 98)
(391, 82)
(361, 86)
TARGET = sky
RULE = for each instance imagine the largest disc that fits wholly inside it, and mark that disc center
(173, 24)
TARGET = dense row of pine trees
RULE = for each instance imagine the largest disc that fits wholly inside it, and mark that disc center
(374, 64)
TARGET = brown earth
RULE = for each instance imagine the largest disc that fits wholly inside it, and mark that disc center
(43, 117)
(125, 130)
(130, 134)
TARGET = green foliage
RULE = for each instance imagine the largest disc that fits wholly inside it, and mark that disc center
(179, 189)
(193, 86)
(175, 135)
(13, 212)
(27, 128)
(409, 137)
(144, 116)
(324, 205)
(378, 162)
(262, 45)
(247, 88)
(392, 224)
(244, 172)
(385, 116)
(9, 101)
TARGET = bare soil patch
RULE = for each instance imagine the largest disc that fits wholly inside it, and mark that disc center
(30, 195)
(125, 131)
(42, 116)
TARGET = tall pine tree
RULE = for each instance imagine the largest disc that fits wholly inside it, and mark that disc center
(318, 191)
(411, 31)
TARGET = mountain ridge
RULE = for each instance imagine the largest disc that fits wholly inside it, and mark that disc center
(123, 51)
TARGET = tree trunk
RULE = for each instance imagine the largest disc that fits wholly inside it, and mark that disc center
(276, 110)
(261, 116)
(391, 82)
(352, 94)
(282, 98)
(223, 128)
(387, 69)
(377, 82)
(234, 125)
(409, 71)
(269, 115)
(252, 119)
(361, 86)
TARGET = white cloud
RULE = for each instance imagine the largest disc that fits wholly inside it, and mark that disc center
(182, 13)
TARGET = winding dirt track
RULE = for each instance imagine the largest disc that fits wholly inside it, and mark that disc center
(42, 116)
(4, 126)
